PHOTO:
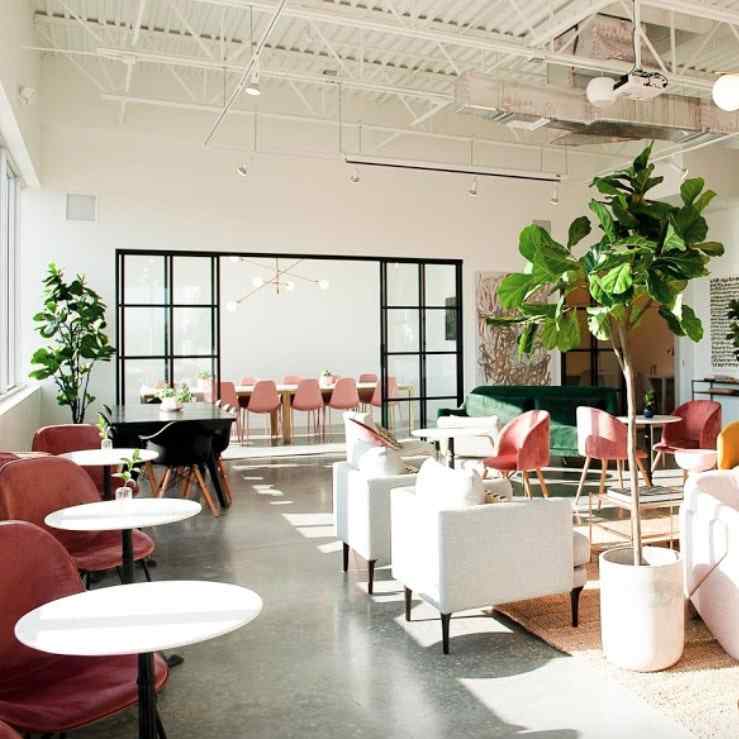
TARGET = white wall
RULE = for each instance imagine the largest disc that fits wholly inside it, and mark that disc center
(20, 416)
(19, 123)
(157, 188)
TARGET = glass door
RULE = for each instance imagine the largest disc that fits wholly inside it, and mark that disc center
(421, 340)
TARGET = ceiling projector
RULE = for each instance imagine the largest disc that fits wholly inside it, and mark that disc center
(636, 85)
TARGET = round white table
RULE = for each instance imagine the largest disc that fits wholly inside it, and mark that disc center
(139, 619)
(123, 516)
(106, 458)
(649, 424)
(437, 435)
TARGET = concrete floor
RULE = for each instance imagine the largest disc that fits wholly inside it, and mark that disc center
(324, 660)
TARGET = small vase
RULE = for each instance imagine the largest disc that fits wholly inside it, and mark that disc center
(106, 443)
(169, 404)
(125, 492)
(649, 413)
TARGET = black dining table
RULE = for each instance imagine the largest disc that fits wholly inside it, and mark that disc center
(128, 423)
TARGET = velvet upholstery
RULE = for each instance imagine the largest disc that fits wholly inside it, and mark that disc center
(523, 443)
(40, 692)
(32, 488)
(8, 732)
(698, 429)
(72, 437)
(560, 401)
(601, 435)
(727, 446)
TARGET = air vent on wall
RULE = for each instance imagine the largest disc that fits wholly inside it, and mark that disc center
(81, 207)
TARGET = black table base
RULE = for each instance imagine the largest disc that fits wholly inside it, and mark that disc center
(150, 723)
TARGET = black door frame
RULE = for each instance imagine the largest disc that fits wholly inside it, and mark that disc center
(170, 254)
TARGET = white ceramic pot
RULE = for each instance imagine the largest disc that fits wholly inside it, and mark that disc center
(170, 404)
(106, 443)
(642, 609)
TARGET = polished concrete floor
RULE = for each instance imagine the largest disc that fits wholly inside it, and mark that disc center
(325, 660)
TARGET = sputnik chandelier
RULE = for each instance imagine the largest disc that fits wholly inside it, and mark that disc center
(281, 278)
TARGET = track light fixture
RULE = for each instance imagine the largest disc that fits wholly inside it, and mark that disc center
(554, 200)
(242, 170)
(252, 86)
(354, 176)
(472, 192)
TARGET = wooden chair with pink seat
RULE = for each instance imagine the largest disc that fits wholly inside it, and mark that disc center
(248, 381)
(523, 446)
(392, 393)
(227, 396)
(698, 429)
(602, 436)
(308, 399)
(264, 400)
(344, 397)
(366, 394)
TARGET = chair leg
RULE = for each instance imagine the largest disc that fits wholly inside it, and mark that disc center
(408, 603)
(225, 480)
(643, 470)
(526, 485)
(656, 460)
(575, 604)
(145, 568)
(620, 467)
(206, 493)
(583, 477)
(371, 576)
(445, 618)
(602, 486)
(345, 556)
(186, 484)
(544, 488)
(164, 482)
(151, 477)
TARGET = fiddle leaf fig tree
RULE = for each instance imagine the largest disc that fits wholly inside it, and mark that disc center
(73, 323)
(645, 255)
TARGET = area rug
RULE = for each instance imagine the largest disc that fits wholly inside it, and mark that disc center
(700, 691)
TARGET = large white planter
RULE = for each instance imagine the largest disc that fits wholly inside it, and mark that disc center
(642, 609)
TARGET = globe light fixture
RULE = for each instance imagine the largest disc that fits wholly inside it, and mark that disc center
(599, 92)
(726, 92)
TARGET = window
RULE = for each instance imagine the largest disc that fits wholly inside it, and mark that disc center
(9, 187)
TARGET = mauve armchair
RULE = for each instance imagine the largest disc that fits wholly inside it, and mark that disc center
(44, 693)
(523, 446)
(8, 732)
(698, 429)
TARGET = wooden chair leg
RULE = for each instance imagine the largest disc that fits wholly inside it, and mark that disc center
(186, 484)
(583, 477)
(526, 485)
(643, 470)
(206, 493)
(620, 467)
(164, 482)
(544, 488)
(602, 486)
(225, 480)
(151, 477)
(656, 459)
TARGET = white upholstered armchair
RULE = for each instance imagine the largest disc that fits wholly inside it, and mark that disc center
(485, 554)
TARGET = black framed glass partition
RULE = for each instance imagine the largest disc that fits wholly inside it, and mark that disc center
(421, 340)
(168, 325)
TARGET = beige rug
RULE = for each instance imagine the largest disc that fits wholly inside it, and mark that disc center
(700, 691)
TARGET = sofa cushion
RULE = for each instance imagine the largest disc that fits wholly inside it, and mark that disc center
(381, 462)
(444, 488)
(580, 549)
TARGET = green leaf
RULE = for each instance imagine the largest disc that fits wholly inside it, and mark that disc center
(622, 213)
(606, 185)
(704, 200)
(672, 323)
(579, 229)
(599, 323)
(618, 280)
(640, 163)
(532, 239)
(691, 324)
(513, 289)
(673, 241)
(605, 219)
(539, 309)
(691, 225)
(711, 248)
(690, 189)
(501, 321)
(526, 339)
(562, 334)
(660, 288)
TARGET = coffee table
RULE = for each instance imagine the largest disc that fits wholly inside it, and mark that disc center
(650, 498)
(437, 435)
(141, 619)
(649, 424)
(106, 458)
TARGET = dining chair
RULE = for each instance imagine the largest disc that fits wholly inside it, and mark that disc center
(249, 381)
(8, 732)
(365, 394)
(188, 445)
(292, 379)
(48, 694)
(32, 488)
(264, 400)
(602, 436)
(392, 393)
(309, 399)
(698, 428)
(523, 446)
(220, 441)
(227, 394)
(344, 397)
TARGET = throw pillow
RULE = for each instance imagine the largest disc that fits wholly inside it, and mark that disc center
(381, 462)
(358, 437)
(444, 488)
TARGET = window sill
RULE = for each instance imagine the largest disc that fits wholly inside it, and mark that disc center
(16, 396)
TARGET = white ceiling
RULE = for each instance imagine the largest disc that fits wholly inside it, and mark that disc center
(383, 52)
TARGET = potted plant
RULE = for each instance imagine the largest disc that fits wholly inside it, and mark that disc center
(646, 254)
(183, 394)
(73, 322)
(649, 404)
(204, 381)
(130, 468)
(168, 397)
(326, 378)
(103, 424)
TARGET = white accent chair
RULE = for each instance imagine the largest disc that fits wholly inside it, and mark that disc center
(709, 546)
(482, 555)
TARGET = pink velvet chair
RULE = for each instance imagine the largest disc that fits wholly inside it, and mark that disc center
(7, 732)
(344, 397)
(365, 394)
(699, 428)
(309, 399)
(264, 400)
(523, 446)
(292, 379)
(392, 393)
(247, 380)
(228, 397)
(602, 436)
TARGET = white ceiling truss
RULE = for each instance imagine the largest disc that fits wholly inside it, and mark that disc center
(405, 53)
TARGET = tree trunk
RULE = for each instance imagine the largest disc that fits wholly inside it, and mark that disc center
(632, 446)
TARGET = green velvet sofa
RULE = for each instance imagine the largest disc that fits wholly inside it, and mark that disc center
(508, 401)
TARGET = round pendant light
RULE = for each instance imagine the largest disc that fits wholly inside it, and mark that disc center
(726, 92)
